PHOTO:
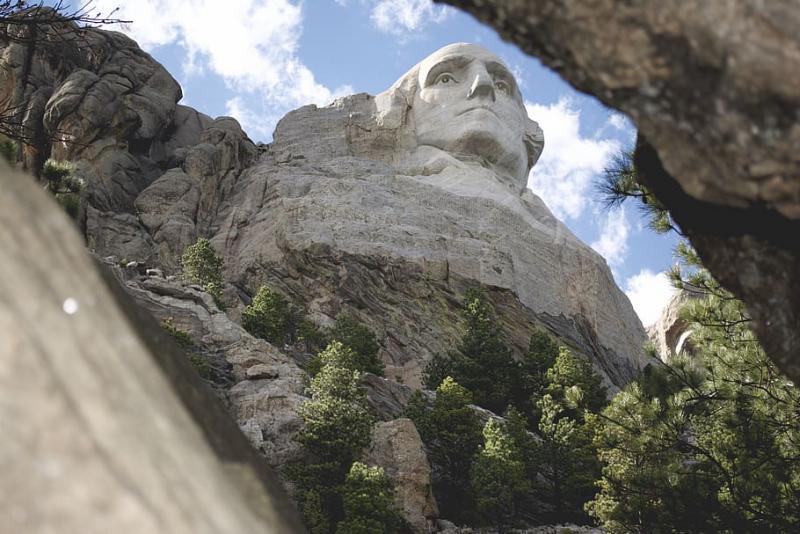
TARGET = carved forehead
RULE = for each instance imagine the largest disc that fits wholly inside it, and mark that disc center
(460, 53)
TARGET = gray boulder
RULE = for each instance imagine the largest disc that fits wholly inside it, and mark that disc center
(398, 449)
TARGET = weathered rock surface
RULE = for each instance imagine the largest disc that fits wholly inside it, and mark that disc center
(263, 387)
(397, 448)
(387, 398)
(95, 98)
(714, 87)
(670, 333)
(106, 428)
(340, 232)
(342, 212)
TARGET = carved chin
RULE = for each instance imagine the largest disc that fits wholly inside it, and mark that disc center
(488, 146)
(482, 143)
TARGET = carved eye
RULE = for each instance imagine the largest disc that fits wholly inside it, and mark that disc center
(445, 78)
(502, 85)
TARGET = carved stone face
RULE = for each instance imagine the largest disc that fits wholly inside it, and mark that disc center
(467, 103)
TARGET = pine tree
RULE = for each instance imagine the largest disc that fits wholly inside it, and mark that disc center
(573, 382)
(567, 461)
(337, 421)
(203, 266)
(270, 316)
(451, 431)
(706, 443)
(531, 378)
(483, 363)
(368, 502)
(703, 444)
(337, 426)
(498, 478)
(518, 430)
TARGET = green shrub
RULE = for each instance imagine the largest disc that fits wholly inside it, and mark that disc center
(8, 151)
(64, 185)
(270, 316)
(359, 339)
(367, 497)
(451, 431)
(201, 265)
(337, 426)
(181, 337)
(498, 478)
(201, 365)
(184, 341)
(58, 173)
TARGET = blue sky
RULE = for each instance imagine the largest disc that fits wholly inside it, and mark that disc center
(258, 59)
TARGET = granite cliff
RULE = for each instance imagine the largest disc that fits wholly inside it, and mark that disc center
(332, 213)
(714, 91)
(347, 210)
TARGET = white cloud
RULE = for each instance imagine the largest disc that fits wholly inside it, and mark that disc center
(402, 17)
(619, 121)
(613, 241)
(649, 292)
(251, 44)
(257, 125)
(563, 174)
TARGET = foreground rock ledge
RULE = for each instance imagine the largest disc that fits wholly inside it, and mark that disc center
(102, 433)
(715, 89)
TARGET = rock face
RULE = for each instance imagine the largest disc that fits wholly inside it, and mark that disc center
(106, 426)
(350, 210)
(263, 387)
(397, 447)
(156, 172)
(670, 334)
(714, 87)
(367, 206)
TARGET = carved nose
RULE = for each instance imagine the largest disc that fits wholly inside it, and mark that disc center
(482, 86)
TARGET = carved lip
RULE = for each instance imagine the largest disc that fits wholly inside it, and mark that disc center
(475, 108)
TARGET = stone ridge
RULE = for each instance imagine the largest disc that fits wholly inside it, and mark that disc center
(328, 207)
(333, 213)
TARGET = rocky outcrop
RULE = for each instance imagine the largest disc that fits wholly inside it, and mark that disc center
(386, 398)
(343, 212)
(106, 427)
(340, 213)
(156, 172)
(670, 333)
(331, 221)
(714, 87)
(262, 386)
(397, 448)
